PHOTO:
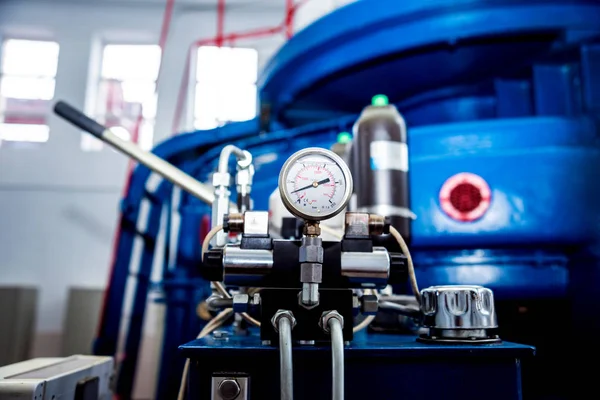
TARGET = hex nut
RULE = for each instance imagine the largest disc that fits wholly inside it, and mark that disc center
(355, 305)
(311, 253)
(311, 229)
(255, 299)
(303, 303)
(244, 176)
(326, 316)
(282, 314)
(221, 179)
(311, 272)
(370, 304)
(240, 303)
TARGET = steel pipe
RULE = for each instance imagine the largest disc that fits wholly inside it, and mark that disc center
(286, 371)
(337, 358)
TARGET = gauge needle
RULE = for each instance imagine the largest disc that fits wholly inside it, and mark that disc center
(314, 184)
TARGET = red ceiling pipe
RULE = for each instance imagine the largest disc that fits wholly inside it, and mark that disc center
(285, 26)
(220, 23)
(255, 33)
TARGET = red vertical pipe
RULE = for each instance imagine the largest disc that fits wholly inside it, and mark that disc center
(166, 24)
(220, 22)
(164, 32)
(289, 18)
(182, 95)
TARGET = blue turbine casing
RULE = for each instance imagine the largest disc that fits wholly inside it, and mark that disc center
(541, 172)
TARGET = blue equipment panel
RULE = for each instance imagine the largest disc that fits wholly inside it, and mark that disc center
(376, 367)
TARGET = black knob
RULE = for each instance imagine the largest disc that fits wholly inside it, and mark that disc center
(212, 266)
(398, 268)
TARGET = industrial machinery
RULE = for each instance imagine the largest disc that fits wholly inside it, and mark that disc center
(502, 103)
(308, 298)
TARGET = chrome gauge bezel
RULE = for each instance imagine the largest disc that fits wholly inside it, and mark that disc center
(289, 202)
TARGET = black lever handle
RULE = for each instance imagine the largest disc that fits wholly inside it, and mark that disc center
(79, 119)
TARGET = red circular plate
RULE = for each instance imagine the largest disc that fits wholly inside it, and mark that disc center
(465, 197)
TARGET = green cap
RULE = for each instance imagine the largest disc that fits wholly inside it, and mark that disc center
(380, 100)
(344, 137)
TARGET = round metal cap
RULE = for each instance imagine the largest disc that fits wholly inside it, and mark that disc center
(464, 307)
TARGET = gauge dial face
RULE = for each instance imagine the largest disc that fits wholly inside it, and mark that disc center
(315, 184)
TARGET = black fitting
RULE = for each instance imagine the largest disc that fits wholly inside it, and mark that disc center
(291, 228)
(243, 202)
(256, 242)
(357, 245)
(226, 223)
(398, 268)
(386, 225)
(212, 265)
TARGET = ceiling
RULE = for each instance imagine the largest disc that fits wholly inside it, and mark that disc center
(277, 4)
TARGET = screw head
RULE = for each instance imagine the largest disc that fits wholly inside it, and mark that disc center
(221, 335)
(229, 389)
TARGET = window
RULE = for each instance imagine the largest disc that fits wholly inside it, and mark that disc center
(225, 86)
(27, 80)
(126, 99)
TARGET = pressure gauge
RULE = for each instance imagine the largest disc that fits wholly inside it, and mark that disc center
(315, 184)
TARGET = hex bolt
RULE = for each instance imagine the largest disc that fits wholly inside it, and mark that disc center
(370, 304)
(309, 296)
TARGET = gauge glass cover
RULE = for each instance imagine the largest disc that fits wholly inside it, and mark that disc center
(315, 184)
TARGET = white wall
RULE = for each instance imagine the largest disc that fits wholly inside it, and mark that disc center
(58, 205)
(315, 9)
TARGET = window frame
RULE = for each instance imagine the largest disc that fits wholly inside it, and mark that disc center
(192, 88)
(90, 143)
(45, 126)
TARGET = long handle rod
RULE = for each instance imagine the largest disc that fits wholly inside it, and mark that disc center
(150, 160)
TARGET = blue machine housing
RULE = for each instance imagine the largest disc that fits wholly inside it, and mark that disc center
(508, 90)
(376, 367)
